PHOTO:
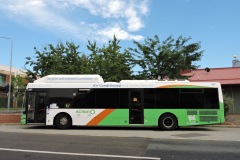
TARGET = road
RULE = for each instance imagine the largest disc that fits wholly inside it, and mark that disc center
(28, 142)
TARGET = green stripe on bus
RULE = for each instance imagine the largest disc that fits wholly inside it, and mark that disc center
(185, 117)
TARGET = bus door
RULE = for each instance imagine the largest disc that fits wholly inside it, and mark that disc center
(36, 107)
(136, 106)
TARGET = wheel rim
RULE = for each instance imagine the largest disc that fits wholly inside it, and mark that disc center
(63, 121)
(168, 122)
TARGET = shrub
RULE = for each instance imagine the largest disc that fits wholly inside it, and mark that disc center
(228, 103)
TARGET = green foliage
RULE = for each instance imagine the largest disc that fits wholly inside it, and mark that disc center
(109, 61)
(19, 84)
(153, 57)
(62, 59)
(166, 58)
(228, 103)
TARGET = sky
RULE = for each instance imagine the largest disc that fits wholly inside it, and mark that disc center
(36, 23)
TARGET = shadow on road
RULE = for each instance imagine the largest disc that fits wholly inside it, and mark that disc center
(193, 128)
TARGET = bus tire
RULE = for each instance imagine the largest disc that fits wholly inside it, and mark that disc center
(168, 122)
(63, 121)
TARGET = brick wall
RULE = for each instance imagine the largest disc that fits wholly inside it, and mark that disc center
(10, 118)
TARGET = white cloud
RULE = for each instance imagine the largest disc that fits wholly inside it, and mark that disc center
(134, 22)
(131, 10)
(120, 34)
(101, 20)
(37, 13)
(104, 8)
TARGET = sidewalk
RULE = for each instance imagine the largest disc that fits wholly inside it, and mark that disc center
(232, 120)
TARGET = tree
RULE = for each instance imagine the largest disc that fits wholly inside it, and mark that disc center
(228, 103)
(166, 58)
(18, 87)
(62, 59)
(109, 61)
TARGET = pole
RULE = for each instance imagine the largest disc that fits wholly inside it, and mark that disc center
(10, 74)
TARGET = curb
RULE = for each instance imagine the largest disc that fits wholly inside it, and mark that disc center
(9, 124)
(225, 126)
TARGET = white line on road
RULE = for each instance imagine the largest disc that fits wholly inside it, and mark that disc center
(79, 154)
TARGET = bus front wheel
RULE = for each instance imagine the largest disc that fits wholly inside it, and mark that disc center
(63, 121)
(167, 122)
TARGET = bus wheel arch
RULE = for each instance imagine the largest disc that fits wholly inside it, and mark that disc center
(63, 121)
(168, 121)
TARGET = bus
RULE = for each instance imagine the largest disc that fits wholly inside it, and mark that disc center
(86, 100)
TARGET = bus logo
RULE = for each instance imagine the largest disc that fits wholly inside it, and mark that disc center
(88, 112)
(192, 118)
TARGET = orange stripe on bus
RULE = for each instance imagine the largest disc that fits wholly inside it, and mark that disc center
(175, 85)
(96, 120)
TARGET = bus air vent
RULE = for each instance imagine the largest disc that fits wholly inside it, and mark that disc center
(208, 118)
(208, 113)
(191, 112)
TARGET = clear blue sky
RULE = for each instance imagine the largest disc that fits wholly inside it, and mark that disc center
(29, 23)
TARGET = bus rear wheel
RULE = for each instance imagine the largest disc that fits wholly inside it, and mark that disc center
(167, 122)
(63, 121)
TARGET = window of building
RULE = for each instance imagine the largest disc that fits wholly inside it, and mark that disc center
(2, 80)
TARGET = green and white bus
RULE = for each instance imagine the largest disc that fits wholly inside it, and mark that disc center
(86, 100)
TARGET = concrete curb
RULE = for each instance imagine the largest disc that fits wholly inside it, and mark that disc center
(9, 124)
(225, 126)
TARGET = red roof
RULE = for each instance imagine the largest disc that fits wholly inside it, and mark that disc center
(222, 75)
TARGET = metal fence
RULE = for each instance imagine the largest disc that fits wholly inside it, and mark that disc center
(15, 104)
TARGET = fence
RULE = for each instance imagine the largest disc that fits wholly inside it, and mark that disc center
(15, 104)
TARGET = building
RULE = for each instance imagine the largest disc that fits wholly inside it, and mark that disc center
(4, 81)
(4, 74)
(228, 77)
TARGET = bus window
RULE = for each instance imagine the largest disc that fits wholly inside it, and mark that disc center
(31, 106)
(107, 98)
(192, 98)
(149, 98)
(167, 98)
(61, 98)
(123, 101)
(41, 107)
(211, 98)
(84, 98)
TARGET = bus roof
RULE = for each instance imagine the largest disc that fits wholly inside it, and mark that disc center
(70, 79)
(96, 81)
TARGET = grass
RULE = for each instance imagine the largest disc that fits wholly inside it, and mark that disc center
(5, 110)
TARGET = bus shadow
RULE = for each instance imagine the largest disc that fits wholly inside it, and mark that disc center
(193, 128)
(196, 128)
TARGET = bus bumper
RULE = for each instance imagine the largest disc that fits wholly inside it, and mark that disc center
(23, 119)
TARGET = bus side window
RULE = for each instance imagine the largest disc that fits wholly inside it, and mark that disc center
(107, 98)
(84, 98)
(135, 102)
(61, 98)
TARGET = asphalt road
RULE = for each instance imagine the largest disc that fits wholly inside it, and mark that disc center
(46, 143)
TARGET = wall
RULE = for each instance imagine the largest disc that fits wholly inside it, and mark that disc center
(10, 118)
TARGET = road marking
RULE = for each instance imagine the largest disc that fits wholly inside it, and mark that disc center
(79, 154)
